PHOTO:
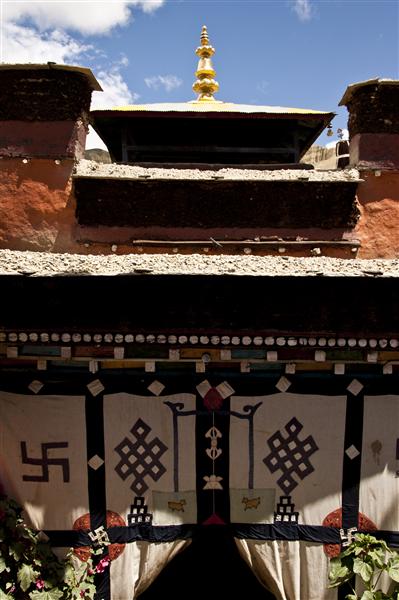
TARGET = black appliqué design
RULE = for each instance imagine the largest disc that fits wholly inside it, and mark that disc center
(139, 513)
(285, 511)
(290, 455)
(140, 458)
(45, 462)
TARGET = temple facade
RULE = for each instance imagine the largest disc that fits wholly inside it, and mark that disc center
(199, 342)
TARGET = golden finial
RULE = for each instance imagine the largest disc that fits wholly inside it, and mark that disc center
(205, 86)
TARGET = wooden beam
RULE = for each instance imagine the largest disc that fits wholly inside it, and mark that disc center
(215, 149)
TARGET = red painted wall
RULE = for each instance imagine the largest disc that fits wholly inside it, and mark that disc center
(37, 210)
(378, 227)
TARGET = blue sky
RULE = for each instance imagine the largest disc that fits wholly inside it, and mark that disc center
(300, 53)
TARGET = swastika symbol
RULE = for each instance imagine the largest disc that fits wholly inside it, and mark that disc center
(290, 455)
(140, 458)
(99, 537)
(45, 462)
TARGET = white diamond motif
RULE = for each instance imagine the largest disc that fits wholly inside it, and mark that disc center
(203, 388)
(95, 387)
(283, 384)
(352, 452)
(156, 387)
(355, 387)
(35, 386)
(95, 462)
(225, 389)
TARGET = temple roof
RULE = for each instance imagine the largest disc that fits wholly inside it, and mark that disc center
(218, 107)
(200, 131)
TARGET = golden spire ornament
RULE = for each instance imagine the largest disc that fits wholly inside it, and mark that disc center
(205, 86)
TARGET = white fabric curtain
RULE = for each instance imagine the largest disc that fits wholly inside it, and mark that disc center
(289, 570)
(43, 465)
(139, 565)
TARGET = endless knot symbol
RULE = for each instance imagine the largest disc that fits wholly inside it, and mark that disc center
(140, 458)
(45, 462)
(290, 455)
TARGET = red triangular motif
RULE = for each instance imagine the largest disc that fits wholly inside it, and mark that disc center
(214, 520)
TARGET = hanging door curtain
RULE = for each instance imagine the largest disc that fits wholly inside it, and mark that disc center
(291, 464)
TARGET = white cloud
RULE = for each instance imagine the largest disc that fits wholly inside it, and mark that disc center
(83, 16)
(303, 9)
(25, 44)
(116, 91)
(149, 6)
(168, 82)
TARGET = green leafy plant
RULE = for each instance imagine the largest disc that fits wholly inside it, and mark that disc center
(368, 558)
(29, 569)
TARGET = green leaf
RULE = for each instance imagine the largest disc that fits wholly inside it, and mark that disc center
(367, 595)
(26, 575)
(352, 597)
(338, 572)
(53, 594)
(4, 596)
(363, 569)
(377, 556)
(37, 595)
(3, 565)
(88, 590)
(16, 550)
(393, 571)
(352, 549)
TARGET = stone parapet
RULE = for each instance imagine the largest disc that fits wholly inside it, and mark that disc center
(373, 123)
(44, 110)
(43, 139)
(375, 151)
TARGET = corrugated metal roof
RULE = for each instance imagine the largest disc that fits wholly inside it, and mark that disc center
(220, 107)
(39, 67)
(354, 86)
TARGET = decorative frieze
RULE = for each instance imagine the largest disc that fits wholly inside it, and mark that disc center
(191, 340)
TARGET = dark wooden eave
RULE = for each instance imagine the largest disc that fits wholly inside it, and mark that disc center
(211, 137)
(225, 304)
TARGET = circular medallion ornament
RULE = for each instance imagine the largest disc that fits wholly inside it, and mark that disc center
(83, 523)
(334, 519)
